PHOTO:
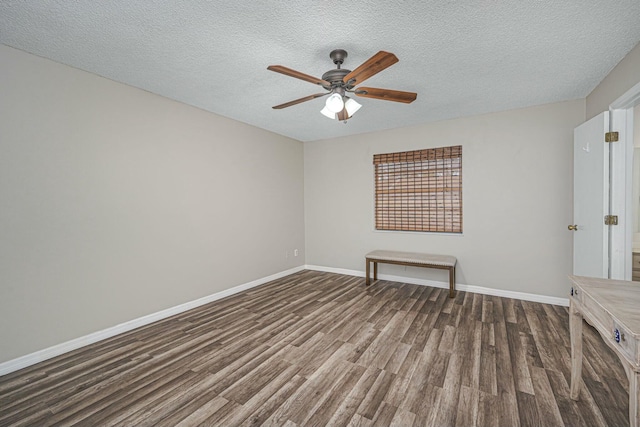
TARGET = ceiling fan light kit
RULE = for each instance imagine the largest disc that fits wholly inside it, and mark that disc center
(349, 109)
(340, 81)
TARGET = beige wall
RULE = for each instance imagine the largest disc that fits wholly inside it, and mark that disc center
(517, 195)
(116, 203)
(622, 78)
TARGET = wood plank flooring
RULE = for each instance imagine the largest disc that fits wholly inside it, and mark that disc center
(316, 349)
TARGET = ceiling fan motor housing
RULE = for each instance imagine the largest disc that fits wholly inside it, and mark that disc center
(335, 76)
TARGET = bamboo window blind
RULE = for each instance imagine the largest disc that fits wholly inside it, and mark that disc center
(419, 190)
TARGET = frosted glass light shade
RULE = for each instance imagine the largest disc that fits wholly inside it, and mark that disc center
(325, 111)
(334, 103)
(352, 106)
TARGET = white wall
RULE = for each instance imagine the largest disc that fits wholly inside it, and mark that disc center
(517, 198)
(116, 203)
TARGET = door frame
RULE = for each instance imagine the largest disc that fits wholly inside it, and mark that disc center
(621, 170)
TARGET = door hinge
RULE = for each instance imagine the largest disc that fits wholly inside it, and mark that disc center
(611, 137)
(611, 220)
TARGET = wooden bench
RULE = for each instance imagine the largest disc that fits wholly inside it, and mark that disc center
(413, 259)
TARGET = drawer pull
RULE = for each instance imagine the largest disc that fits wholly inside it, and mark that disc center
(572, 291)
(617, 335)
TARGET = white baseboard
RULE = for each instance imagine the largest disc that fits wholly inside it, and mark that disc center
(467, 288)
(57, 350)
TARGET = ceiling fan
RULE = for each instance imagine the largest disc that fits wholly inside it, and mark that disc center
(341, 81)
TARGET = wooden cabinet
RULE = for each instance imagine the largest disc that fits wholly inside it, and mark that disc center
(635, 273)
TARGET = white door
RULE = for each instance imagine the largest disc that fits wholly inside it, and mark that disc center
(591, 198)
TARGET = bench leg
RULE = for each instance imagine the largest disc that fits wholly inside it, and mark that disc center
(452, 281)
(367, 281)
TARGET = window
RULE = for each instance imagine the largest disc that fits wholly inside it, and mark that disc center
(419, 190)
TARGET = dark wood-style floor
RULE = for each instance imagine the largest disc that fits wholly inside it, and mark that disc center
(315, 349)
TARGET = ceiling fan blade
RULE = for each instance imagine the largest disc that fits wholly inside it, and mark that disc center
(343, 115)
(371, 66)
(298, 75)
(298, 101)
(386, 94)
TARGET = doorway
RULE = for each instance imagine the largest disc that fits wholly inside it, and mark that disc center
(625, 185)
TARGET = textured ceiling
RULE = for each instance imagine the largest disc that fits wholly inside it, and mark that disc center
(462, 57)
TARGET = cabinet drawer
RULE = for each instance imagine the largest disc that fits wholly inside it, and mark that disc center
(624, 341)
(600, 319)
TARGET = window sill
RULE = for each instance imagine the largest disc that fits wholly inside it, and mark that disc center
(436, 233)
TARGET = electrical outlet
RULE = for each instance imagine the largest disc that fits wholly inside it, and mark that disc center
(295, 252)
